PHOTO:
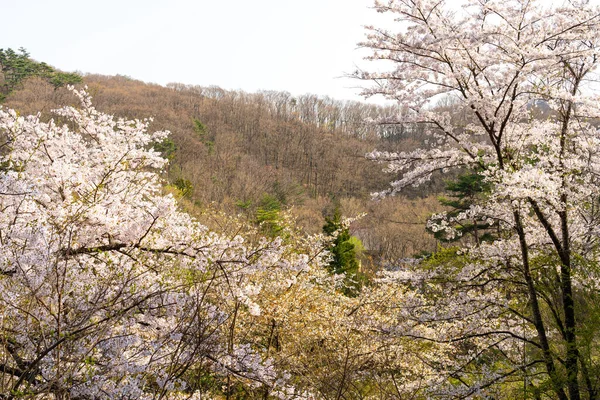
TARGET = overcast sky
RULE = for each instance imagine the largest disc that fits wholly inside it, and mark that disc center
(296, 46)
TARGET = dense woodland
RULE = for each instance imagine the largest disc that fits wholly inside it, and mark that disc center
(187, 242)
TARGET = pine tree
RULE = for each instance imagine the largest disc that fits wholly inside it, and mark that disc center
(343, 255)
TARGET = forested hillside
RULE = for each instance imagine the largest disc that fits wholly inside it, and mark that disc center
(235, 152)
(204, 253)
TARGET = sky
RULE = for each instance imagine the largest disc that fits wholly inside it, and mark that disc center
(296, 46)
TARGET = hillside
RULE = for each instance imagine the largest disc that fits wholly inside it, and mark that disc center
(214, 261)
(233, 151)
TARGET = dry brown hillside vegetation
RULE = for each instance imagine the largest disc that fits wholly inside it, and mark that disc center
(242, 153)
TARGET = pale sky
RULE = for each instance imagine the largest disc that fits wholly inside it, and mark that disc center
(295, 46)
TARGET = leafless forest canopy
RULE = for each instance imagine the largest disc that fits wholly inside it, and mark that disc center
(308, 152)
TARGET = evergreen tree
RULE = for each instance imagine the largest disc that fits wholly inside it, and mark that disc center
(268, 216)
(464, 192)
(343, 255)
(16, 67)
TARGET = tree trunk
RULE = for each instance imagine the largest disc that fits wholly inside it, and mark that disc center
(536, 313)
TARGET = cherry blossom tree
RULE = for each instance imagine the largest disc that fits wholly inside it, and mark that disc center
(533, 287)
(107, 290)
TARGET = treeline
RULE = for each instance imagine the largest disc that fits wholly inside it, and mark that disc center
(17, 66)
(349, 118)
